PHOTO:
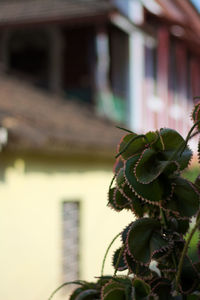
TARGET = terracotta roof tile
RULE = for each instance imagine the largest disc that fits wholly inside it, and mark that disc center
(38, 121)
(35, 10)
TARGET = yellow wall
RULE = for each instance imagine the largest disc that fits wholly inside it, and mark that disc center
(31, 194)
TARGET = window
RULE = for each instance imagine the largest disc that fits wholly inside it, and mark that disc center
(28, 55)
(151, 65)
(70, 224)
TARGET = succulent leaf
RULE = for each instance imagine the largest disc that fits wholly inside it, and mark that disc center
(142, 289)
(135, 267)
(90, 294)
(117, 289)
(115, 294)
(162, 287)
(76, 293)
(135, 202)
(195, 296)
(169, 141)
(120, 179)
(125, 232)
(135, 147)
(189, 276)
(119, 262)
(152, 137)
(183, 226)
(151, 192)
(144, 239)
(120, 201)
(185, 198)
(111, 200)
(150, 166)
(178, 225)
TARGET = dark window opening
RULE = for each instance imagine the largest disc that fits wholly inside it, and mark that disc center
(28, 56)
(151, 64)
(79, 63)
(119, 71)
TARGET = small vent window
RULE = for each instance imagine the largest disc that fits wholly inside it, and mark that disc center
(70, 219)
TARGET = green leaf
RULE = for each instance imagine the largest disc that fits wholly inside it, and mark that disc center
(169, 139)
(183, 226)
(76, 293)
(125, 232)
(136, 268)
(132, 144)
(120, 179)
(115, 294)
(113, 291)
(117, 289)
(150, 166)
(185, 198)
(134, 147)
(193, 297)
(135, 202)
(178, 225)
(189, 276)
(172, 140)
(152, 137)
(142, 289)
(162, 287)
(88, 295)
(111, 200)
(144, 239)
(120, 261)
(150, 192)
(118, 165)
(103, 280)
(119, 200)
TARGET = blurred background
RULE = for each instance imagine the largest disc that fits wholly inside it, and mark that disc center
(70, 71)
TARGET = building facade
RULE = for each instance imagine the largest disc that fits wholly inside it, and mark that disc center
(69, 72)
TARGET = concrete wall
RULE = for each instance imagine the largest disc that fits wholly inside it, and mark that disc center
(32, 191)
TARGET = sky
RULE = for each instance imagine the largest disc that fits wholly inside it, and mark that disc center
(196, 3)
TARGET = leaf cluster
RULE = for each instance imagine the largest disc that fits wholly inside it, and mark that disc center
(148, 182)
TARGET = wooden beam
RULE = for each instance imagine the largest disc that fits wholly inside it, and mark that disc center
(191, 14)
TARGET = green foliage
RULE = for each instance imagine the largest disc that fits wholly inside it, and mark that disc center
(148, 182)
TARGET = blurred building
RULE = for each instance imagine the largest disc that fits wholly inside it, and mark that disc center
(69, 71)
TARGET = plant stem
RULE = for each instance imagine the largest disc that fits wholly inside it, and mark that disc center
(161, 139)
(112, 182)
(61, 286)
(163, 218)
(118, 260)
(124, 129)
(180, 265)
(105, 256)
